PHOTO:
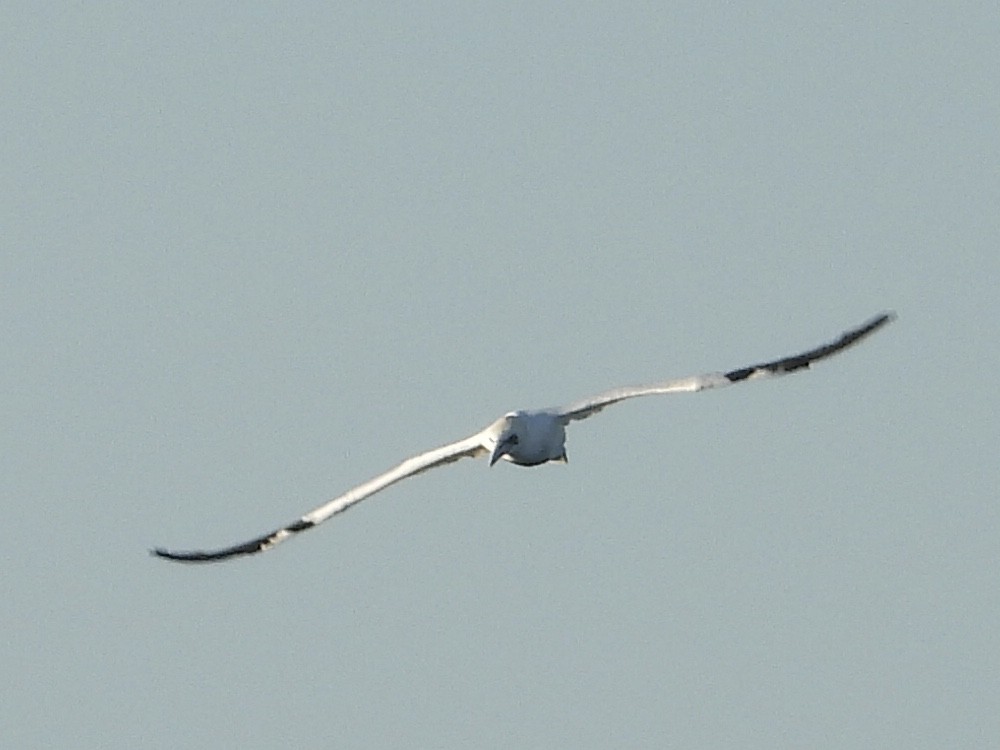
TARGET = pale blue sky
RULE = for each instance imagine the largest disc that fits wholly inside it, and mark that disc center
(252, 256)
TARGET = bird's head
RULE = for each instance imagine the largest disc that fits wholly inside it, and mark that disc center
(506, 442)
(507, 431)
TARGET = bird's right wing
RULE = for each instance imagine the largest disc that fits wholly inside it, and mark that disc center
(588, 406)
(472, 446)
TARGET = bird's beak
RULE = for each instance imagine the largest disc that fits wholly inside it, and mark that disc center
(500, 450)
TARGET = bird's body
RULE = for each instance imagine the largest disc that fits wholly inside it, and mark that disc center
(528, 438)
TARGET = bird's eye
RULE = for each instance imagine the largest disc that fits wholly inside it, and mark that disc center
(513, 439)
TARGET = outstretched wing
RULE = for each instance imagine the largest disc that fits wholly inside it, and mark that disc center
(588, 406)
(471, 446)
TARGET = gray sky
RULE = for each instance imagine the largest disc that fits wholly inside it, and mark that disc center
(252, 256)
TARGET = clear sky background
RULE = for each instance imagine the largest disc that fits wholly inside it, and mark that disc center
(254, 255)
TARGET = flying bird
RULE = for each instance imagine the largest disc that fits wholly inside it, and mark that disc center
(527, 438)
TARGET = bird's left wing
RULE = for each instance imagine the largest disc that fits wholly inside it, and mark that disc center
(588, 406)
(471, 446)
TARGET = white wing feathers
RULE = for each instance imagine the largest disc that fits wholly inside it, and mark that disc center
(482, 442)
(588, 406)
(471, 446)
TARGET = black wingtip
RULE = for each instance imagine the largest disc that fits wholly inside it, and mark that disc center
(193, 557)
(199, 556)
(886, 316)
(260, 544)
(804, 361)
(872, 325)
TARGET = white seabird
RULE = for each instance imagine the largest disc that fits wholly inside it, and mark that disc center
(528, 438)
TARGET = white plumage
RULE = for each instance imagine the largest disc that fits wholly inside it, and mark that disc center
(529, 438)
